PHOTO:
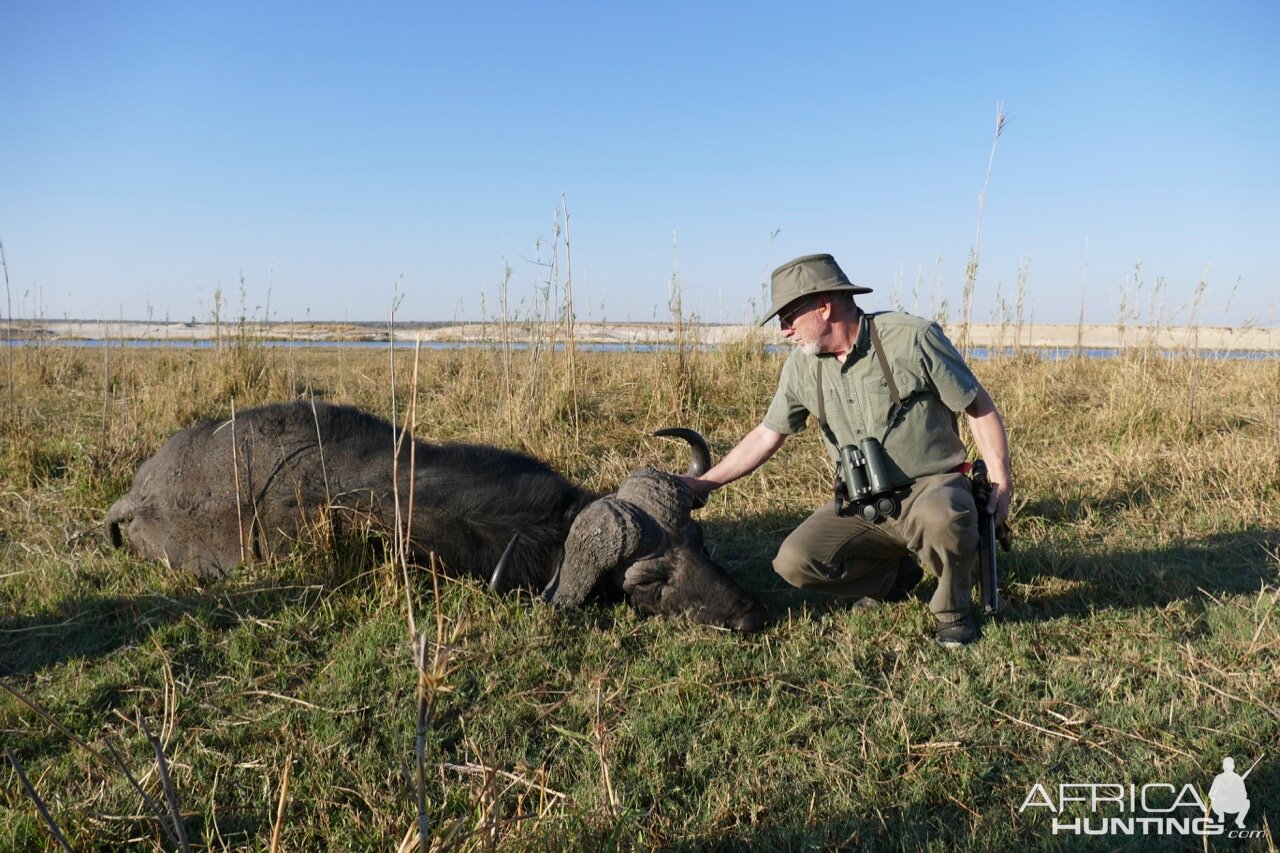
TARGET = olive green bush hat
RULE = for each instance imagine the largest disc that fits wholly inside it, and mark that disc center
(805, 276)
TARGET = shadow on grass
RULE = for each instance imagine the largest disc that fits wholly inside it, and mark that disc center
(98, 626)
(1219, 565)
(1222, 564)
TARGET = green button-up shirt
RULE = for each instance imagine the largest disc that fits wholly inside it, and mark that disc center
(932, 378)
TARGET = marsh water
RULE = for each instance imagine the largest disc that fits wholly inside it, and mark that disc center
(1058, 353)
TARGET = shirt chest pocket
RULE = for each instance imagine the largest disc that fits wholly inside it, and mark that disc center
(877, 399)
(831, 409)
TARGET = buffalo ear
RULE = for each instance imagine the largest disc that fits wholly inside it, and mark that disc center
(120, 513)
(643, 590)
(607, 534)
(645, 574)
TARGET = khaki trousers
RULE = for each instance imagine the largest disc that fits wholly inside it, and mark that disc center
(849, 556)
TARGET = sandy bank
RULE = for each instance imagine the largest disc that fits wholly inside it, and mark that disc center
(984, 335)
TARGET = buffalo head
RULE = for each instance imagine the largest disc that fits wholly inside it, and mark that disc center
(644, 539)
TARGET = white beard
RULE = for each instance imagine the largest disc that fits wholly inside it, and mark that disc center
(808, 347)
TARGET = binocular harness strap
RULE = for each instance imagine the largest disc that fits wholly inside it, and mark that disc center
(884, 368)
(822, 406)
(878, 348)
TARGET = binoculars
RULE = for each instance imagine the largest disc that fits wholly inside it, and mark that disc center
(864, 481)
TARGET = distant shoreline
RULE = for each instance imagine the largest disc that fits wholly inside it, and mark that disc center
(1037, 336)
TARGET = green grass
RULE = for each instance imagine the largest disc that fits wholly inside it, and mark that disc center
(1141, 641)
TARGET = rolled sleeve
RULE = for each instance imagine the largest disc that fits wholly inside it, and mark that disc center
(951, 377)
(787, 413)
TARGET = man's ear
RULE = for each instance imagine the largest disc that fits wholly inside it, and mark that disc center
(828, 306)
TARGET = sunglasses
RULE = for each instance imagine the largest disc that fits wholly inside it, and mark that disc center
(788, 317)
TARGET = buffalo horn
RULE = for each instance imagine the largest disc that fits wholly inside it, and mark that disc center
(549, 594)
(504, 563)
(701, 461)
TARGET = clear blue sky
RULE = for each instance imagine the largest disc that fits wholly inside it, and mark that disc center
(154, 152)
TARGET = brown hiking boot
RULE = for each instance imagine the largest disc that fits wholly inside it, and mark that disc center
(953, 635)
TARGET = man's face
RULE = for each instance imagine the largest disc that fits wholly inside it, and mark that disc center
(801, 323)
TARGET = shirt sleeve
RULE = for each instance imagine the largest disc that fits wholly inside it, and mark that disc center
(786, 414)
(951, 377)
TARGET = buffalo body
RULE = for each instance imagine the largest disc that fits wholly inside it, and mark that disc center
(228, 492)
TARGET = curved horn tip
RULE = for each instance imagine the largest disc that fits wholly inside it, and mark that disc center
(549, 594)
(504, 563)
(701, 461)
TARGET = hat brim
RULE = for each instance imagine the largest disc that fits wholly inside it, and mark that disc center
(774, 309)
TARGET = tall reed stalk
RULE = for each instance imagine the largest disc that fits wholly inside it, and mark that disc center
(1084, 280)
(391, 342)
(675, 298)
(681, 337)
(1194, 378)
(940, 308)
(570, 344)
(504, 327)
(1024, 272)
(545, 308)
(1129, 294)
(975, 254)
(1154, 319)
(8, 315)
(765, 279)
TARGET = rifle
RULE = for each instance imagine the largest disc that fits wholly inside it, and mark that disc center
(988, 535)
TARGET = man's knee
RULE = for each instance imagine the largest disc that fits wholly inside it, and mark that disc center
(947, 520)
(795, 564)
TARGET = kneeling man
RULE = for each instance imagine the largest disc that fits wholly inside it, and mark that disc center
(897, 379)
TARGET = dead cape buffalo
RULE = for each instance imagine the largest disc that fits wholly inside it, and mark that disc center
(226, 492)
